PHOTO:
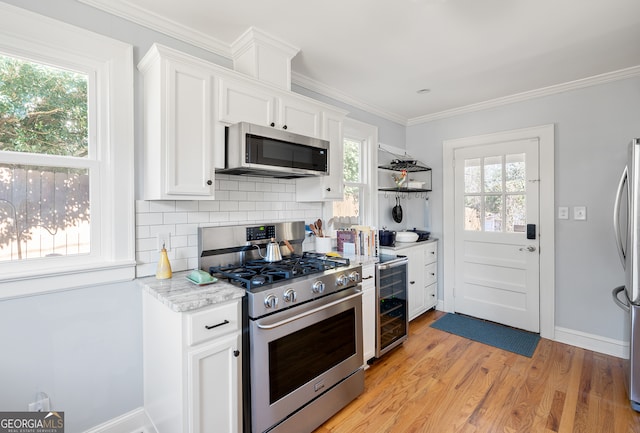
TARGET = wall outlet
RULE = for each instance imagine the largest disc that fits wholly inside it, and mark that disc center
(580, 213)
(563, 213)
(41, 405)
(164, 239)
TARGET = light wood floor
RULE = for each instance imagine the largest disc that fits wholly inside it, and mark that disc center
(437, 382)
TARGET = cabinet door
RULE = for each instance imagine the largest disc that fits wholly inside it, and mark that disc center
(244, 102)
(369, 312)
(331, 187)
(215, 387)
(189, 132)
(299, 117)
(416, 280)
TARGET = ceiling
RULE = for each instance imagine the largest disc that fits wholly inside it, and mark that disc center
(376, 54)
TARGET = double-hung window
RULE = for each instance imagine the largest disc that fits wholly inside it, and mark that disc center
(66, 156)
(359, 152)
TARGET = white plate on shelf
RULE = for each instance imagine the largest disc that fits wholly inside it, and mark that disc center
(205, 283)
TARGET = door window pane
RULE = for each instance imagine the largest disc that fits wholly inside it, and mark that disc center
(472, 213)
(515, 173)
(472, 176)
(516, 213)
(493, 213)
(493, 174)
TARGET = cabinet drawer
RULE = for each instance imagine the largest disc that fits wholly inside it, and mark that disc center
(213, 322)
(368, 271)
(430, 274)
(430, 252)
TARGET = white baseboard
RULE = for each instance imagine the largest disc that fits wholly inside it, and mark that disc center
(135, 421)
(605, 345)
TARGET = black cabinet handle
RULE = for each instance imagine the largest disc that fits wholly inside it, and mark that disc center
(209, 182)
(215, 326)
(328, 189)
(236, 353)
(273, 124)
(412, 282)
(284, 127)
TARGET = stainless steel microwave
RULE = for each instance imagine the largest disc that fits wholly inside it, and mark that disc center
(267, 151)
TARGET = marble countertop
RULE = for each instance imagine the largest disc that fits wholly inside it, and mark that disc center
(180, 295)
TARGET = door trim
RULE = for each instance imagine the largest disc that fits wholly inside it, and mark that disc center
(545, 135)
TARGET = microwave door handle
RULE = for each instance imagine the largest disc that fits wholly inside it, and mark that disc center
(616, 215)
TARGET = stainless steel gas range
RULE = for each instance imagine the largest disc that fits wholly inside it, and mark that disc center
(303, 324)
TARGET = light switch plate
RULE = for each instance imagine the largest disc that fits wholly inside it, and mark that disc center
(563, 213)
(579, 213)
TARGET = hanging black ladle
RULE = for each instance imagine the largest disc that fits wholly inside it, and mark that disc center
(396, 212)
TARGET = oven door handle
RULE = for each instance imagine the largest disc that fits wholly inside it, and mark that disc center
(307, 313)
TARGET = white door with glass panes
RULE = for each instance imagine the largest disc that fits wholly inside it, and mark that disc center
(496, 251)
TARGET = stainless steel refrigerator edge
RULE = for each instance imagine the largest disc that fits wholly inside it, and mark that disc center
(627, 208)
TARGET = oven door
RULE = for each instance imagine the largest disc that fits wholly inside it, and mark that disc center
(299, 354)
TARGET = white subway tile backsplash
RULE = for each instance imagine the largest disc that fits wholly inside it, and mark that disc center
(162, 206)
(146, 219)
(230, 205)
(238, 200)
(175, 218)
(197, 217)
(209, 205)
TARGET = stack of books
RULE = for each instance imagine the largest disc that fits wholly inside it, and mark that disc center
(359, 240)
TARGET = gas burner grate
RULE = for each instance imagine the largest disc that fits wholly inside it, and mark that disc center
(258, 273)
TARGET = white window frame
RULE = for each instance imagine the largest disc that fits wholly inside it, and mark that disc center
(109, 63)
(368, 135)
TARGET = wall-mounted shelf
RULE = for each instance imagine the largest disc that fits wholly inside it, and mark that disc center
(404, 190)
(410, 166)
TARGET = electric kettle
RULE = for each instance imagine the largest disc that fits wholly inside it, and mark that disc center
(273, 252)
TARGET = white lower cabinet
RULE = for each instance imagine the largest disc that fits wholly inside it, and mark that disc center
(368, 312)
(193, 368)
(214, 407)
(422, 275)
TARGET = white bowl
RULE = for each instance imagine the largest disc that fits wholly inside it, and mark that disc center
(406, 236)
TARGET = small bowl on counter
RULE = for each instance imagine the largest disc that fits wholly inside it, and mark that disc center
(406, 237)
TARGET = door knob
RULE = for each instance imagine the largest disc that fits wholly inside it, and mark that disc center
(529, 248)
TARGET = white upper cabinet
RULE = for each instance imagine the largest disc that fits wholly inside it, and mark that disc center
(178, 127)
(254, 103)
(188, 102)
(330, 187)
(299, 116)
(244, 102)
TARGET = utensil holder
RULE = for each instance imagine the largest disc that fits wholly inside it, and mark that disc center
(323, 245)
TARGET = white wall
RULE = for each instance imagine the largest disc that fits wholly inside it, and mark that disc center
(592, 129)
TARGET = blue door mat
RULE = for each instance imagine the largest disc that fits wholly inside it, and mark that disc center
(503, 337)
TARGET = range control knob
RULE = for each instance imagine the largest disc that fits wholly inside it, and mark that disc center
(271, 301)
(342, 280)
(354, 276)
(290, 296)
(318, 287)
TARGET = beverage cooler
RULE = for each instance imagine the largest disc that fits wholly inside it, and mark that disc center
(392, 317)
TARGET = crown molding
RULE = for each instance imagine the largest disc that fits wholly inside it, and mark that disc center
(323, 89)
(155, 22)
(158, 23)
(524, 96)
